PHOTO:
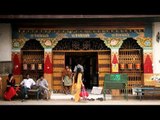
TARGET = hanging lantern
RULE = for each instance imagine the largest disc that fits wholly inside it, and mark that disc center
(137, 66)
(130, 66)
(122, 66)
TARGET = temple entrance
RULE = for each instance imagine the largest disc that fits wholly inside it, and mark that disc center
(89, 61)
(93, 54)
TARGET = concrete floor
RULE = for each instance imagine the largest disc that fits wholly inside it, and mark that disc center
(62, 99)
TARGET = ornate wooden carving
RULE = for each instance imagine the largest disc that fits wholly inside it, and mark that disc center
(131, 57)
(33, 58)
(81, 44)
(18, 43)
(144, 42)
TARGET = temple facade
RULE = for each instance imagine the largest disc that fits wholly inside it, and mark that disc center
(102, 45)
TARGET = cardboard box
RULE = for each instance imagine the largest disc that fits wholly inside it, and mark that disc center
(115, 92)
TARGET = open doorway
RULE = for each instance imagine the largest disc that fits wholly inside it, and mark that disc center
(89, 61)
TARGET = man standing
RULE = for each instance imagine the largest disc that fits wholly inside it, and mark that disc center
(67, 79)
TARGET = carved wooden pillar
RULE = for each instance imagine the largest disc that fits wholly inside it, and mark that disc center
(114, 60)
(48, 69)
(147, 59)
(16, 58)
(148, 65)
(115, 67)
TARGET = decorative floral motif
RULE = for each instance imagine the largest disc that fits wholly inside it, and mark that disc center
(144, 42)
(16, 44)
(48, 43)
(114, 42)
(147, 43)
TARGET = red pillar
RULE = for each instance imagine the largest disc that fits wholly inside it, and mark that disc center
(16, 58)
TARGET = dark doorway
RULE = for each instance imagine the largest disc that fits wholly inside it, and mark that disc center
(89, 61)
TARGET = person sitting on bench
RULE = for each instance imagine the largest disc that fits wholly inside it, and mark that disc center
(26, 85)
(43, 87)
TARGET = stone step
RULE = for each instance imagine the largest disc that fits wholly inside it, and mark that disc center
(69, 96)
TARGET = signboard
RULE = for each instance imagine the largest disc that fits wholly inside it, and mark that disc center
(115, 77)
(96, 90)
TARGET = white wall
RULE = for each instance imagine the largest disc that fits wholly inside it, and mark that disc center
(5, 42)
(156, 48)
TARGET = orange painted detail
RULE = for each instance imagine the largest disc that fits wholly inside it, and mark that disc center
(130, 66)
(122, 66)
(137, 66)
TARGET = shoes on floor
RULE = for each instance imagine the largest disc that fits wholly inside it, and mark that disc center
(91, 99)
(72, 98)
(100, 99)
(26, 96)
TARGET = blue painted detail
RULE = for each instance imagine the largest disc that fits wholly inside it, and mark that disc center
(15, 35)
(39, 35)
(148, 30)
(147, 43)
(80, 35)
(121, 35)
(34, 35)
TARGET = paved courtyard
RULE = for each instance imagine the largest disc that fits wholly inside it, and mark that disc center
(62, 99)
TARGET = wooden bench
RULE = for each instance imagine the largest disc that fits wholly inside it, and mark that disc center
(142, 91)
(115, 81)
(34, 91)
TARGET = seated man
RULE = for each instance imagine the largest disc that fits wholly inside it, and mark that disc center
(43, 87)
(26, 85)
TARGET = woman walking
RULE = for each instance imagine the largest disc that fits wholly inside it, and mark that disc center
(77, 84)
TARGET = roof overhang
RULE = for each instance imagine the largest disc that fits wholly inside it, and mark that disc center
(75, 16)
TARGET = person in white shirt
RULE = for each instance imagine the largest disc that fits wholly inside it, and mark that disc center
(43, 87)
(26, 85)
(78, 66)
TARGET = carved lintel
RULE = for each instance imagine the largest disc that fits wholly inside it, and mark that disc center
(144, 42)
(113, 42)
(18, 43)
(50, 42)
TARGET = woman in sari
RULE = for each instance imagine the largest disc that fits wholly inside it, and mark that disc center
(0, 86)
(77, 84)
(10, 91)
